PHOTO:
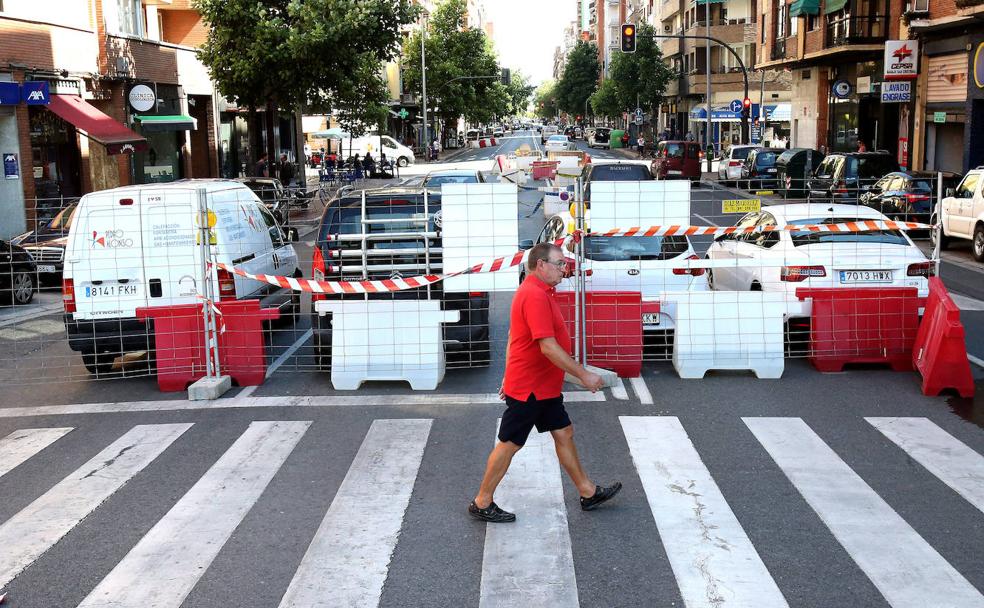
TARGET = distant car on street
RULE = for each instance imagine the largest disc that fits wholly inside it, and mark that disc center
(546, 132)
(841, 178)
(729, 168)
(18, 274)
(600, 138)
(907, 195)
(559, 143)
(963, 213)
(760, 167)
(677, 160)
(46, 244)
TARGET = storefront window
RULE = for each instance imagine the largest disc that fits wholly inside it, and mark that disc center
(55, 160)
(162, 161)
(844, 125)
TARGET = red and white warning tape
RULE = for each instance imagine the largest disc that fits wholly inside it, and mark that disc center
(858, 226)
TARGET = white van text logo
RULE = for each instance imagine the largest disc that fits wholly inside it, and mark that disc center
(111, 239)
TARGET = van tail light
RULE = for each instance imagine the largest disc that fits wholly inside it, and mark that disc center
(916, 198)
(694, 272)
(318, 271)
(921, 269)
(795, 274)
(227, 285)
(68, 295)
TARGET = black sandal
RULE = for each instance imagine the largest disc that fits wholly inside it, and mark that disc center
(492, 513)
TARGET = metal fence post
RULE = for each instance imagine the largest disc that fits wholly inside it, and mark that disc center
(580, 311)
(208, 288)
(938, 226)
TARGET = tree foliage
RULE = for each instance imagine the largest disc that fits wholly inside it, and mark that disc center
(520, 93)
(580, 78)
(605, 102)
(545, 100)
(641, 77)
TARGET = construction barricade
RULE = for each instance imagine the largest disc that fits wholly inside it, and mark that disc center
(544, 169)
(940, 352)
(869, 325)
(613, 328)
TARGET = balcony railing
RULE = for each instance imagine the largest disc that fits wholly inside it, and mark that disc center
(779, 49)
(857, 30)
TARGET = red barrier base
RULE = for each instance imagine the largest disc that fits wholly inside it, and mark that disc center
(867, 325)
(614, 329)
(940, 351)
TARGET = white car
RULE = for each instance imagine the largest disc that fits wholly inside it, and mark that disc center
(783, 261)
(963, 213)
(559, 143)
(730, 166)
(546, 132)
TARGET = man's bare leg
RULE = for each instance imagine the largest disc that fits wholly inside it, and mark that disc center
(567, 455)
(495, 469)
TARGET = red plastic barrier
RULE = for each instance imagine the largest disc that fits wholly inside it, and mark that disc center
(862, 325)
(544, 169)
(481, 143)
(179, 338)
(492, 141)
(940, 352)
(614, 329)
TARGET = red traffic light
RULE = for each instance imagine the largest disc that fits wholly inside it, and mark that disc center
(747, 103)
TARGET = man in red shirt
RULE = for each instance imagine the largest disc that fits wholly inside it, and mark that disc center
(536, 359)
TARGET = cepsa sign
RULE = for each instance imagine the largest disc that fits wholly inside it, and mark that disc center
(901, 58)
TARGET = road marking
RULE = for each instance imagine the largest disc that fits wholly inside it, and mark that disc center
(709, 222)
(530, 562)
(161, 570)
(967, 303)
(713, 560)
(943, 455)
(347, 561)
(641, 390)
(618, 389)
(174, 405)
(41, 524)
(32, 313)
(249, 390)
(902, 565)
(976, 360)
(20, 445)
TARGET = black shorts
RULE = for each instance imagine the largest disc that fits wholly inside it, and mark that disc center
(521, 416)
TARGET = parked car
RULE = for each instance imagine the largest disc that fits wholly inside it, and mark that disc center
(841, 178)
(783, 261)
(435, 179)
(47, 244)
(272, 194)
(473, 135)
(794, 167)
(729, 167)
(17, 275)
(559, 143)
(614, 172)
(907, 195)
(498, 131)
(409, 247)
(601, 138)
(136, 246)
(962, 214)
(677, 160)
(760, 167)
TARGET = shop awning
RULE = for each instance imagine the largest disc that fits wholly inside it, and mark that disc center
(96, 125)
(833, 6)
(719, 113)
(781, 112)
(161, 123)
(804, 7)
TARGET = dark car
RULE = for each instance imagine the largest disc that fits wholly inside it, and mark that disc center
(794, 167)
(403, 241)
(275, 196)
(842, 177)
(907, 195)
(46, 244)
(18, 274)
(760, 167)
(677, 160)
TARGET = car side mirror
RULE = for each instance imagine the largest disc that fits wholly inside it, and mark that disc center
(526, 244)
(290, 235)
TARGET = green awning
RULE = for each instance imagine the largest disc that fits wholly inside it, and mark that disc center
(159, 123)
(833, 6)
(804, 7)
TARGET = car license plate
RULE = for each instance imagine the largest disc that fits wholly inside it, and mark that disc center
(98, 291)
(46, 268)
(650, 318)
(770, 170)
(865, 276)
(674, 172)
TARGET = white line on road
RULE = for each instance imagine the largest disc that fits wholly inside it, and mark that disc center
(38, 526)
(20, 445)
(713, 560)
(943, 455)
(903, 566)
(249, 390)
(163, 568)
(709, 222)
(976, 360)
(618, 390)
(347, 561)
(530, 562)
(641, 390)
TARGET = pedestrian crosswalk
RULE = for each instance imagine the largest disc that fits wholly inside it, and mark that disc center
(717, 557)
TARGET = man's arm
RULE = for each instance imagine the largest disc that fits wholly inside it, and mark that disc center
(559, 357)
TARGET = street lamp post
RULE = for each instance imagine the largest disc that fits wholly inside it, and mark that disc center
(707, 138)
(423, 81)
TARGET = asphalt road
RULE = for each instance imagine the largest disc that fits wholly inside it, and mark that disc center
(767, 492)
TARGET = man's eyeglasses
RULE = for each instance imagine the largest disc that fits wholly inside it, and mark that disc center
(562, 264)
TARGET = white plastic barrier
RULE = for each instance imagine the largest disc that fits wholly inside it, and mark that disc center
(728, 330)
(387, 340)
(648, 203)
(479, 222)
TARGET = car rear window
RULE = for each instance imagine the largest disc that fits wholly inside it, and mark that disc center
(437, 180)
(674, 150)
(741, 153)
(875, 166)
(633, 248)
(765, 158)
(620, 173)
(348, 220)
(886, 237)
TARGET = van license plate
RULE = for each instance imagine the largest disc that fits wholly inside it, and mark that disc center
(650, 318)
(865, 276)
(674, 172)
(46, 268)
(98, 291)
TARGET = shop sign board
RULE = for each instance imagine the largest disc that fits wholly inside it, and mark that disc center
(939, 116)
(142, 98)
(841, 89)
(11, 168)
(901, 59)
(36, 93)
(9, 93)
(896, 92)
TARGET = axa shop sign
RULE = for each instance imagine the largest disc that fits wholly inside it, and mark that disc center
(901, 59)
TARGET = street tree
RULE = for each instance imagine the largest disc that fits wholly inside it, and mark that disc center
(286, 53)
(605, 102)
(545, 100)
(360, 104)
(520, 93)
(641, 77)
(580, 78)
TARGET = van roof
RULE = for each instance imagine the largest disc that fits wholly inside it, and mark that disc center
(210, 185)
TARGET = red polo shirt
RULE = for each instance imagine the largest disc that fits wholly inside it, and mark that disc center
(534, 315)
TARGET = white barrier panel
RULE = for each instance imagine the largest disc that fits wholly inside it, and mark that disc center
(728, 330)
(387, 340)
(649, 203)
(479, 222)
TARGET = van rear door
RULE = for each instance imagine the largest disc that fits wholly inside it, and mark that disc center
(172, 269)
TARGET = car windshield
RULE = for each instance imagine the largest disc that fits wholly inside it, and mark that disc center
(63, 221)
(674, 150)
(765, 158)
(620, 173)
(437, 180)
(885, 237)
(740, 153)
(348, 220)
(557, 139)
(631, 248)
(875, 166)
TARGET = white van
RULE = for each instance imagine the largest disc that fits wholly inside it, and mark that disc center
(394, 150)
(138, 246)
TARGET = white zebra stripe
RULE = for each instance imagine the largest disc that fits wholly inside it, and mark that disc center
(38, 526)
(20, 445)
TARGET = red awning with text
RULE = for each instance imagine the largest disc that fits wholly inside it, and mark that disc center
(97, 126)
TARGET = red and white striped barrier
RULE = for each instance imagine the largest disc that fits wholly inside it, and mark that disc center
(858, 226)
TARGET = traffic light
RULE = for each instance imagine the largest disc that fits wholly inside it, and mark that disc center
(504, 76)
(628, 38)
(746, 108)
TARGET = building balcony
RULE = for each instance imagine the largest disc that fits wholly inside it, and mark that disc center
(732, 31)
(672, 88)
(856, 30)
(670, 46)
(778, 49)
(696, 84)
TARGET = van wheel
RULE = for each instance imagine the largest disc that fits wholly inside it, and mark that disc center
(98, 364)
(979, 243)
(944, 239)
(403, 161)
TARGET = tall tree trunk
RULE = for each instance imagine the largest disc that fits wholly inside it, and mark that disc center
(271, 147)
(253, 133)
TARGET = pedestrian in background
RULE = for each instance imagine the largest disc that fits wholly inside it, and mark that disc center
(285, 171)
(262, 166)
(641, 144)
(861, 146)
(536, 360)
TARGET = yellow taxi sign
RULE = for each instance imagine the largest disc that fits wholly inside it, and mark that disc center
(741, 205)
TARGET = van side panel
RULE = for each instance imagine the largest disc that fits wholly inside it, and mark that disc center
(172, 266)
(242, 238)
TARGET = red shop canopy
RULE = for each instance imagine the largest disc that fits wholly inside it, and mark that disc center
(97, 126)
